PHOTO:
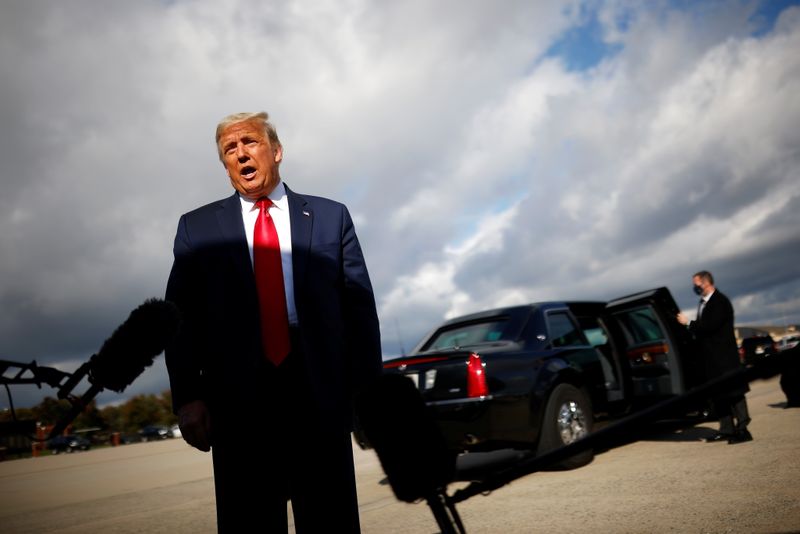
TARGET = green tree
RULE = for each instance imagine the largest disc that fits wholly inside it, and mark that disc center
(140, 411)
(168, 418)
(22, 415)
(130, 417)
(91, 417)
(51, 410)
(113, 417)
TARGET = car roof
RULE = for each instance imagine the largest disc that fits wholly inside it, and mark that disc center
(519, 309)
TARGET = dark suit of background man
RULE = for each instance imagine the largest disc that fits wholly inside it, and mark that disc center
(716, 342)
(276, 431)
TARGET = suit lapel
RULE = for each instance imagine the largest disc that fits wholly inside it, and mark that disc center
(229, 217)
(302, 221)
(710, 309)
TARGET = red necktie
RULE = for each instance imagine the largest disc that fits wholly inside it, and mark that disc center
(269, 284)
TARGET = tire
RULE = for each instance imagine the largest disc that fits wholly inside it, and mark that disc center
(567, 418)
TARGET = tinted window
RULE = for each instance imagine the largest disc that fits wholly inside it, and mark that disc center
(474, 333)
(563, 331)
(640, 325)
(595, 332)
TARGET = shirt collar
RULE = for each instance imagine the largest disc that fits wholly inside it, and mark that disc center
(708, 296)
(277, 196)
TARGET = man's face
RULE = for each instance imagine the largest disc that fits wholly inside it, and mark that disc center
(251, 161)
(702, 284)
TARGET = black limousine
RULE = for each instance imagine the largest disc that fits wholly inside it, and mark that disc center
(539, 376)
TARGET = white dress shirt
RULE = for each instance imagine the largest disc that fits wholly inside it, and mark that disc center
(703, 302)
(279, 211)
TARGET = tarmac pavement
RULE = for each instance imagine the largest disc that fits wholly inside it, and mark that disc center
(672, 482)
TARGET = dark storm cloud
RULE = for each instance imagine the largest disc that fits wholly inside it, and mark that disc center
(479, 169)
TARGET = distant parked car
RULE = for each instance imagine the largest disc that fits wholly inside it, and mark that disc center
(174, 431)
(153, 432)
(127, 439)
(757, 347)
(68, 444)
(788, 342)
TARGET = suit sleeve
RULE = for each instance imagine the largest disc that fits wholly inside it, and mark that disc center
(183, 355)
(362, 330)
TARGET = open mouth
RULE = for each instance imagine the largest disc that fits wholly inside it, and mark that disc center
(248, 172)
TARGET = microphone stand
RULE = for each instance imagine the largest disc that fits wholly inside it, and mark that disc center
(123, 357)
(14, 373)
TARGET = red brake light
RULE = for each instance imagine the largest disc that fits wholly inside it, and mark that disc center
(645, 354)
(476, 377)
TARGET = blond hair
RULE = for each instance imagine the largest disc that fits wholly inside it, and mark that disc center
(261, 117)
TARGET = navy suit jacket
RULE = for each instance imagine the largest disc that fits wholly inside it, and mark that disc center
(716, 339)
(217, 355)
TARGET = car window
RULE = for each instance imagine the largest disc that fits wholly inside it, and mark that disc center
(640, 325)
(563, 332)
(593, 330)
(465, 334)
(789, 341)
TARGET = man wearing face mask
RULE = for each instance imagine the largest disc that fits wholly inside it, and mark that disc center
(716, 342)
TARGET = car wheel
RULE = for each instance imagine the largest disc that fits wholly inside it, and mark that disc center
(567, 418)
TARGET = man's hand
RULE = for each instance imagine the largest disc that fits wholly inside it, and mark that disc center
(682, 319)
(195, 424)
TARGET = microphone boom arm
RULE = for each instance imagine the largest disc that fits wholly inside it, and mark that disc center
(63, 382)
(38, 375)
(124, 356)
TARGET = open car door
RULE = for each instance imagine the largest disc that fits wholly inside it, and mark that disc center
(658, 349)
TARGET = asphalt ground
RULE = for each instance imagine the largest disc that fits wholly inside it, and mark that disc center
(672, 482)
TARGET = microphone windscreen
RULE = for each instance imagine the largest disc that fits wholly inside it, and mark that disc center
(409, 444)
(134, 345)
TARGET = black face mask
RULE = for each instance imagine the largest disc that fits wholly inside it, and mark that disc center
(698, 290)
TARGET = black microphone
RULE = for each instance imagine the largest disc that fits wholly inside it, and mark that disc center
(134, 345)
(124, 356)
(409, 444)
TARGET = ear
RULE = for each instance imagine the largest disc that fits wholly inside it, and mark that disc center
(278, 153)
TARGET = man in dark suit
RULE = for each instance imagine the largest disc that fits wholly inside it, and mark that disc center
(279, 333)
(716, 343)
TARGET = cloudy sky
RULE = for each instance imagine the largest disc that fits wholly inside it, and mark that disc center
(491, 153)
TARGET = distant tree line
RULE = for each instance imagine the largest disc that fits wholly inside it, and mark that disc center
(127, 418)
